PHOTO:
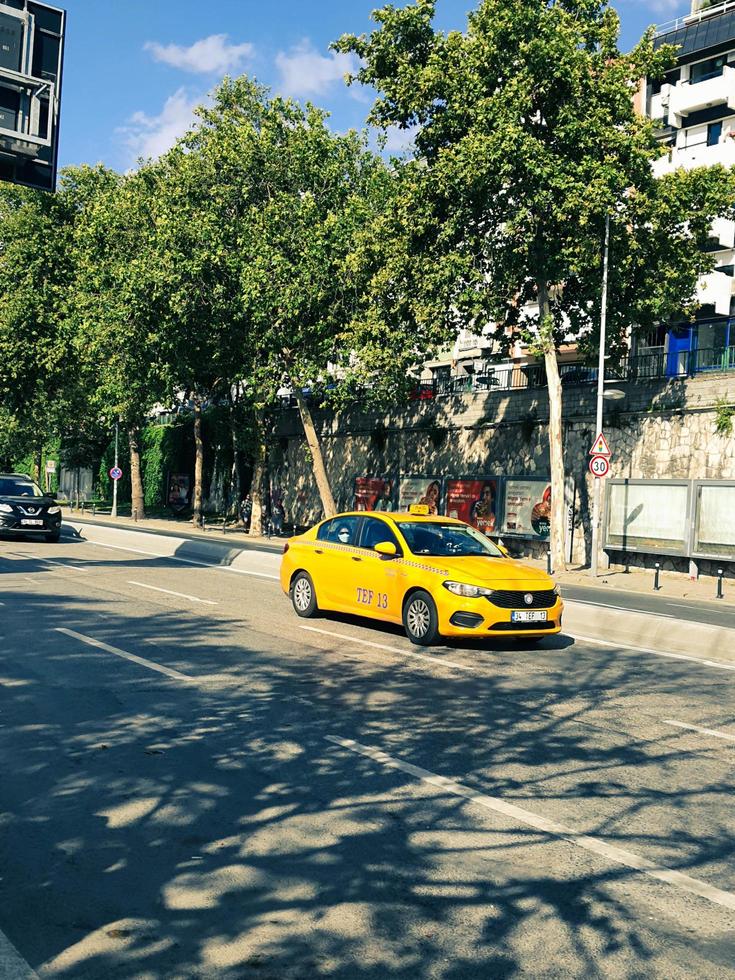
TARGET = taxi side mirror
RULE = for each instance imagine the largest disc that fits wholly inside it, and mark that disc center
(386, 548)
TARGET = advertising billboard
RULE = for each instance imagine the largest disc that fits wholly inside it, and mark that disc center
(420, 490)
(648, 516)
(373, 493)
(714, 524)
(475, 501)
(179, 488)
(527, 511)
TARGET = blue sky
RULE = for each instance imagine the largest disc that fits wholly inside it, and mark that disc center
(135, 68)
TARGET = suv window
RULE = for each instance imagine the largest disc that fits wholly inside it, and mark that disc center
(12, 486)
(375, 531)
(340, 530)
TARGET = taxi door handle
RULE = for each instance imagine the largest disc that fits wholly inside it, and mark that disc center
(317, 551)
(355, 558)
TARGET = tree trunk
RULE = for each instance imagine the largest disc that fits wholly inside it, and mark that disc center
(38, 465)
(556, 446)
(256, 487)
(317, 459)
(136, 477)
(198, 462)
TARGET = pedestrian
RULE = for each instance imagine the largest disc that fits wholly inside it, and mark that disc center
(246, 511)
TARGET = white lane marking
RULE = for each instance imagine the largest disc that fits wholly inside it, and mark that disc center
(185, 561)
(702, 731)
(381, 646)
(616, 854)
(605, 605)
(720, 665)
(49, 561)
(90, 641)
(180, 595)
(12, 964)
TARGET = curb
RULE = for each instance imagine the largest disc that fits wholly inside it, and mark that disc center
(221, 540)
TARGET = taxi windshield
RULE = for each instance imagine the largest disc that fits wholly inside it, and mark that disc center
(447, 540)
(11, 486)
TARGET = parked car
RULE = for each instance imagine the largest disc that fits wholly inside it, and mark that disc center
(26, 510)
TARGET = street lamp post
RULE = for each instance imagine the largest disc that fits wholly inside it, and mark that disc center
(596, 511)
(115, 482)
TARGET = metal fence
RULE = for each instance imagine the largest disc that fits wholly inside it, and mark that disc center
(650, 365)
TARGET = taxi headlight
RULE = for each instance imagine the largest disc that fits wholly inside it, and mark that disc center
(6, 509)
(468, 591)
(53, 510)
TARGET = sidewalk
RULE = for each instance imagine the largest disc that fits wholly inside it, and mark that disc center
(640, 581)
(233, 536)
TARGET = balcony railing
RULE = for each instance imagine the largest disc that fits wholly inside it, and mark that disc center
(649, 365)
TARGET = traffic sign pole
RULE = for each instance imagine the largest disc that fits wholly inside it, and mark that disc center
(596, 510)
(115, 482)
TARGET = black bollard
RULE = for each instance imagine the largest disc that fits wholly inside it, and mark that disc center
(657, 579)
(548, 563)
(720, 590)
(94, 510)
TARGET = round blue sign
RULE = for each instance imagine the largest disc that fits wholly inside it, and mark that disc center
(115, 473)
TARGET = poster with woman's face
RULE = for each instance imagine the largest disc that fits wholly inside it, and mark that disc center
(527, 508)
(420, 490)
(373, 493)
(178, 490)
(473, 501)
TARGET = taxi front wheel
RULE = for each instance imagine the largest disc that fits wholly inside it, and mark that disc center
(420, 619)
(303, 596)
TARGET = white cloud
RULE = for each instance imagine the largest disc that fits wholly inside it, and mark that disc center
(306, 72)
(150, 136)
(213, 54)
(398, 141)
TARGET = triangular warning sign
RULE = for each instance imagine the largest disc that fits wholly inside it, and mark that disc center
(600, 447)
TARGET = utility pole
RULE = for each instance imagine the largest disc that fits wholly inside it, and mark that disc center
(115, 482)
(596, 511)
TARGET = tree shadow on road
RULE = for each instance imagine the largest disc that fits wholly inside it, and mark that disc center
(155, 827)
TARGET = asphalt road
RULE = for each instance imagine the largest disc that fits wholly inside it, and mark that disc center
(195, 783)
(711, 612)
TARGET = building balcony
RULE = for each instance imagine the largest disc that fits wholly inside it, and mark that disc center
(701, 155)
(685, 97)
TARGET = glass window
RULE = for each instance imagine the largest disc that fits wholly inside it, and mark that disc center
(340, 530)
(374, 532)
(16, 487)
(447, 540)
(711, 68)
(714, 132)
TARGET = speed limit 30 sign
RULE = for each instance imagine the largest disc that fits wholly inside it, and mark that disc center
(599, 466)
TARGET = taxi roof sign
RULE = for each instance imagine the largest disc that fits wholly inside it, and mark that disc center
(419, 510)
(600, 447)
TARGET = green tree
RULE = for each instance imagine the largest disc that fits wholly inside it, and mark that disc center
(526, 138)
(287, 201)
(116, 315)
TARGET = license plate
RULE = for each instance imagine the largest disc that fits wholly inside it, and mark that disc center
(529, 617)
(30, 523)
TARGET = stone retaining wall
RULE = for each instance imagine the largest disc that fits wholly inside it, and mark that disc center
(661, 430)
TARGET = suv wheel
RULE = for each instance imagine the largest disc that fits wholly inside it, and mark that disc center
(420, 619)
(303, 596)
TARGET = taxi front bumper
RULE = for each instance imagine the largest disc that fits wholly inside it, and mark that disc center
(459, 616)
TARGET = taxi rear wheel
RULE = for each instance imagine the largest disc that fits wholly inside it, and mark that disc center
(420, 619)
(303, 596)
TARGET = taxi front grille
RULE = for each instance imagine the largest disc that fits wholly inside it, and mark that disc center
(517, 600)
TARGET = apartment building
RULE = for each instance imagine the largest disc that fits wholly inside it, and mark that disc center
(694, 108)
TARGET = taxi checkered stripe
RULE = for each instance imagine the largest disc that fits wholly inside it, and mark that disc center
(351, 550)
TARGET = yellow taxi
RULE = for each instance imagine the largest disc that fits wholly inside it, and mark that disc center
(435, 575)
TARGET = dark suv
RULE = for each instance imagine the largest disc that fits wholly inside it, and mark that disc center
(26, 510)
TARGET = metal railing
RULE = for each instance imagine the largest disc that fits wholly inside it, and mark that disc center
(648, 365)
(688, 19)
